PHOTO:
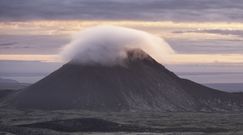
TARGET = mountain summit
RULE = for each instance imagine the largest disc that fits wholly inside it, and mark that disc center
(139, 84)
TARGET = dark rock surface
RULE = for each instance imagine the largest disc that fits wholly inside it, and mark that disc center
(100, 125)
(55, 122)
(87, 125)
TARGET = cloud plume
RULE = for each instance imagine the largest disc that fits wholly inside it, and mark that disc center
(107, 45)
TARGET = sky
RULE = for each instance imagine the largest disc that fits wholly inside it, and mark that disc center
(208, 34)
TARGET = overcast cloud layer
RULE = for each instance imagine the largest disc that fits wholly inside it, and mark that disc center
(175, 10)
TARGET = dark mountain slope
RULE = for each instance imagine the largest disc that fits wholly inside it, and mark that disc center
(212, 100)
(140, 84)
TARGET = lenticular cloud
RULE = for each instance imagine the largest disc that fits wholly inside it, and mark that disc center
(107, 45)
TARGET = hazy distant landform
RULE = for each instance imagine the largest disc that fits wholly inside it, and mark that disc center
(11, 84)
(230, 87)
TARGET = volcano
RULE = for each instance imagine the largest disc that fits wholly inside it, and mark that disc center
(138, 84)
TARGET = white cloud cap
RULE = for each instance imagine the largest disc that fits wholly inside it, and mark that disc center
(107, 45)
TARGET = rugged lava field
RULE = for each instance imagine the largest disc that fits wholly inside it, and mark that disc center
(73, 122)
